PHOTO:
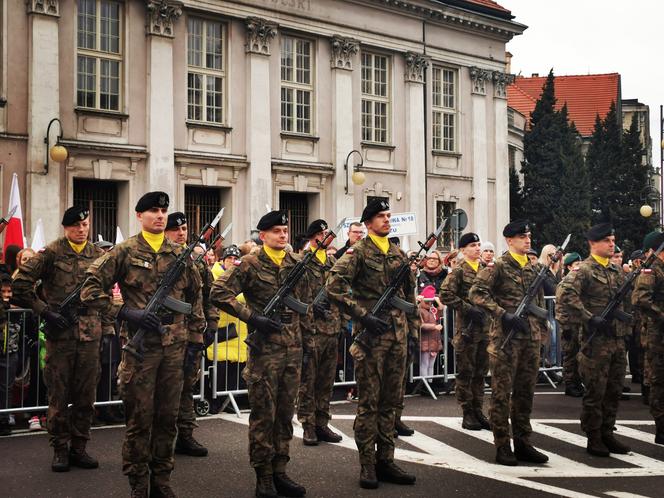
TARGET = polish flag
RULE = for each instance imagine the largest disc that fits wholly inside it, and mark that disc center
(14, 230)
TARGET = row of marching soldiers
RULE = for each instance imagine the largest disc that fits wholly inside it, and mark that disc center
(485, 298)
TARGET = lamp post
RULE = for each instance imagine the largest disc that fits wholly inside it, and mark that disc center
(357, 177)
(57, 153)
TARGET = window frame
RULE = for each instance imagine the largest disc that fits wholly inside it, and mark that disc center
(438, 111)
(373, 98)
(99, 55)
(206, 72)
(295, 86)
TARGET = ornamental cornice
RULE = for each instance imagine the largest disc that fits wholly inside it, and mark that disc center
(343, 52)
(478, 78)
(45, 7)
(259, 35)
(161, 15)
(500, 82)
(415, 67)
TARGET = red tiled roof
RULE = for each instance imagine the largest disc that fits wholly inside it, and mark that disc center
(586, 96)
(489, 4)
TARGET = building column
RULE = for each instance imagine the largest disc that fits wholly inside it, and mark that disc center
(480, 197)
(43, 190)
(161, 15)
(500, 82)
(343, 52)
(416, 65)
(259, 147)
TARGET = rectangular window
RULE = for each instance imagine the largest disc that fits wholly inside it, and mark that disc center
(297, 66)
(201, 205)
(101, 198)
(296, 204)
(99, 54)
(206, 74)
(444, 210)
(375, 98)
(444, 108)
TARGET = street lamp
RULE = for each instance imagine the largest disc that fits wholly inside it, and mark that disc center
(646, 210)
(58, 152)
(357, 177)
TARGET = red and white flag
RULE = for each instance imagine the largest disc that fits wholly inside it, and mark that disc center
(14, 230)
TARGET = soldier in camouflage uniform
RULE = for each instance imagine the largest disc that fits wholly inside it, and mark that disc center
(471, 337)
(648, 296)
(150, 389)
(275, 356)
(72, 349)
(602, 359)
(570, 334)
(320, 342)
(499, 288)
(355, 283)
(177, 232)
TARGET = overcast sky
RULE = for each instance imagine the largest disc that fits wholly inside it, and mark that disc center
(595, 37)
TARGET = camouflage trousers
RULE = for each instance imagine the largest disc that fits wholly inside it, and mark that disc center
(472, 363)
(404, 383)
(655, 359)
(273, 377)
(645, 341)
(570, 347)
(513, 378)
(186, 415)
(319, 362)
(71, 375)
(151, 393)
(602, 369)
(379, 378)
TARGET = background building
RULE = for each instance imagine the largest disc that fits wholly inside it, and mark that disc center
(245, 104)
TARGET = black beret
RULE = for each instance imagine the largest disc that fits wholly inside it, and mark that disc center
(600, 232)
(176, 219)
(531, 252)
(653, 240)
(315, 227)
(73, 215)
(468, 238)
(272, 219)
(152, 200)
(373, 208)
(515, 228)
(638, 254)
(231, 250)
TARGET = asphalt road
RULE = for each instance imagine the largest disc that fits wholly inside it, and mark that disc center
(447, 460)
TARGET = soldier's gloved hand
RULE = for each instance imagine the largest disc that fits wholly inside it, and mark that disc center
(209, 335)
(192, 354)
(54, 319)
(320, 311)
(140, 318)
(264, 324)
(476, 315)
(514, 322)
(599, 324)
(374, 324)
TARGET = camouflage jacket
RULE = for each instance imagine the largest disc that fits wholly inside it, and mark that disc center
(499, 287)
(318, 273)
(454, 293)
(258, 278)
(359, 278)
(138, 270)
(562, 312)
(586, 292)
(210, 311)
(60, 270)
(648, 295)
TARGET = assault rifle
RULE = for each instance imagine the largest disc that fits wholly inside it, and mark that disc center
(527, 304)
(214, 243)
(611, 311)
(389, 296)
(321, 297)
(284, 295)
(161, 300)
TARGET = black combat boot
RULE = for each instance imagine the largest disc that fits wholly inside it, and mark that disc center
(327, 435)
(368, 479)
(265, 484)
(526, 452)
(139, 486)
(402, 429)
(78, 457)
(659, 436)
(60, 461)
(470, 421)
(595, 445)
(504, 455)
(286, 486)
(187, 445)
(483, 421)
(309, 438)
(574, 390)
(162, 491)
(613, 445)
(388, 471)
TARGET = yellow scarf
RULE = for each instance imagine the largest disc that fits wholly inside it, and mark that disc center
(475, 265)
(78, 248)
(522, 259)
(321, 255)
(155, 240)
(602, 261)
(277, 256)
(382, 243)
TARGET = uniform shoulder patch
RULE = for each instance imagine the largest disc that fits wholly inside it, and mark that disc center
(647, 270)
(42, 250)
(350, 250)
(575, 269)
(491, 264)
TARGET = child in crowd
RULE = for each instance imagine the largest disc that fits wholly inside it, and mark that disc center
(430, 329)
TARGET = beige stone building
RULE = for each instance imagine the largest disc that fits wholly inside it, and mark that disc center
(249, 103)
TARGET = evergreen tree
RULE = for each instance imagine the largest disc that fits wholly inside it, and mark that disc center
(516, 195)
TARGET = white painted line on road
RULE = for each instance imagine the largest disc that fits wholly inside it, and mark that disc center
(635, 434)
(623, 494)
